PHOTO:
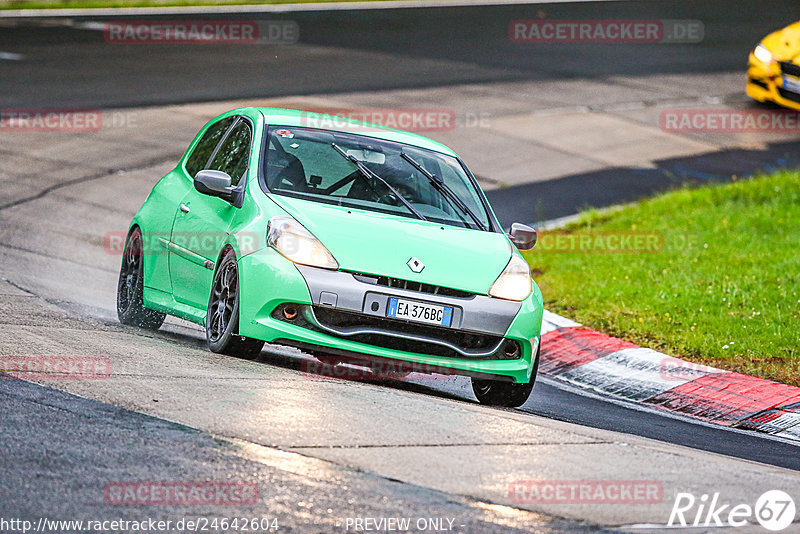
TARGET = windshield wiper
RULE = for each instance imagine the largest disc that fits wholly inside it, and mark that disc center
(371, 175)
(445, 191)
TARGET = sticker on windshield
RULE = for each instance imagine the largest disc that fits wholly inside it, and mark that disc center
(284, 133)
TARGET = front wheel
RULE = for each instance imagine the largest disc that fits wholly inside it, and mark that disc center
(506, 394)
(130, 287)
(222, 318)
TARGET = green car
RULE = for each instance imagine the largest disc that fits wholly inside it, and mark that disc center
(354, 242)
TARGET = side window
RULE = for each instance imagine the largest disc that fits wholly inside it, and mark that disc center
(234, 155)
(199, 157)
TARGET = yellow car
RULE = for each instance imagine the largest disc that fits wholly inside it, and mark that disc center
(773, 72)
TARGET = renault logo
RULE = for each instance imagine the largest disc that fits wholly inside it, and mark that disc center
(415, 265)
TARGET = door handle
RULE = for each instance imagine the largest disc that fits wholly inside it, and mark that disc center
(184, 208)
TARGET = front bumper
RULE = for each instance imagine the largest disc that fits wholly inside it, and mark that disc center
(765, 83)
(473, 346)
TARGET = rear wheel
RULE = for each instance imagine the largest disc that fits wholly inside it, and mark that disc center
(222, 318)
(130, 287)
(507, 394)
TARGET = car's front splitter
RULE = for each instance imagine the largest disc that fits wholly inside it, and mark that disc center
(269, 280)
(518, 370)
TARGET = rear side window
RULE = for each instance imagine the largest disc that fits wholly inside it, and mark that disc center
(202, 152)
(234, 154)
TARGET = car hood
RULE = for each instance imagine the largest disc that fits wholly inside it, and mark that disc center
(784, 44)
(381, 244)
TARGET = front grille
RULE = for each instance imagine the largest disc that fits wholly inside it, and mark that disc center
(467, 341)
(788, 95)
(398, 283)
(787, 67)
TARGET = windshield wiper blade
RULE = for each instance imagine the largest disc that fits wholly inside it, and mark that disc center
(369, 174)
(442, 187)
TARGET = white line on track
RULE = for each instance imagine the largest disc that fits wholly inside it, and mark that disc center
(11, 56)
(268, 8)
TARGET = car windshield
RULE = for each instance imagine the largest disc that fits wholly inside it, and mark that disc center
(323, 166)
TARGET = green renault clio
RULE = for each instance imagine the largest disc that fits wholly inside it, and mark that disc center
(357, 243)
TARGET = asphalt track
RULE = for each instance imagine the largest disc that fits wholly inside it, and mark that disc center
(352, 51)
(422, 47)
(58, 291)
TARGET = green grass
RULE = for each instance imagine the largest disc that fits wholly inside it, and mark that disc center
(724, 290)
(82, 4)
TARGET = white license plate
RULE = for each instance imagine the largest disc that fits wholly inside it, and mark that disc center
(420, 312)
(790, 83)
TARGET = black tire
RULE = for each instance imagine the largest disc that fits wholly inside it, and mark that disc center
(506, 394)
(130, 287)
(222, 318)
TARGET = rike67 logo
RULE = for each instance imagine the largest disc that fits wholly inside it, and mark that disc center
(774, 510)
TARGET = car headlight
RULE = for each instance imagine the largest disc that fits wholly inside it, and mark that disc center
(762, 54)
(515, 282)
(297, 244)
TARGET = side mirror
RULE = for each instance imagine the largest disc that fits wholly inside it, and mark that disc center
(214, 183)
(523, 236)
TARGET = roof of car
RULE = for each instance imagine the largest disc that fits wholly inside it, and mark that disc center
(327, 121)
